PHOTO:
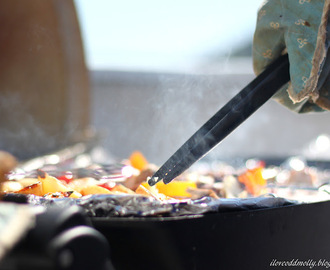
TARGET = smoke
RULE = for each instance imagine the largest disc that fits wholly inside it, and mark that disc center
(181, 105)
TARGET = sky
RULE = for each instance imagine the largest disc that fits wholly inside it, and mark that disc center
(146, 34)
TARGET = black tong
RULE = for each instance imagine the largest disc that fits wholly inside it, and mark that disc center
(235, 112)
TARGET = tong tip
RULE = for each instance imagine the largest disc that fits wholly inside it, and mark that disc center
(153, 180)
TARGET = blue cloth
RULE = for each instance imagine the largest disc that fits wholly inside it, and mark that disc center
(298, 27)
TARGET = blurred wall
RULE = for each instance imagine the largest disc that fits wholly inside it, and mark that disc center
(155, 113)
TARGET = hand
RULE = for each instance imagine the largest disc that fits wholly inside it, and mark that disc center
(299, 28)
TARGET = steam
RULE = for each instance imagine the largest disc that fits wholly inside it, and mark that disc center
(157, 113)
(182, 104)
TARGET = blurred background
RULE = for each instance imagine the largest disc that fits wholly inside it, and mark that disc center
(160, 69)
(142, 75)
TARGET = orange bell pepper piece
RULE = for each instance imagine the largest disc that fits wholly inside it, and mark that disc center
(253, 180)
(138, 161)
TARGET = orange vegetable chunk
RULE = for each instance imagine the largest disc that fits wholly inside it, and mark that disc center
(138, 161)
(253, 180)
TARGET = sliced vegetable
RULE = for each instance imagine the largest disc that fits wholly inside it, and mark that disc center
(35, 189)
(94, 190)
(253, 180)
(51, 184)
(176, 188)
(138, 161)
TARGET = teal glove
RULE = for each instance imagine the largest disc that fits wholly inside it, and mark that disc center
(298, 27)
